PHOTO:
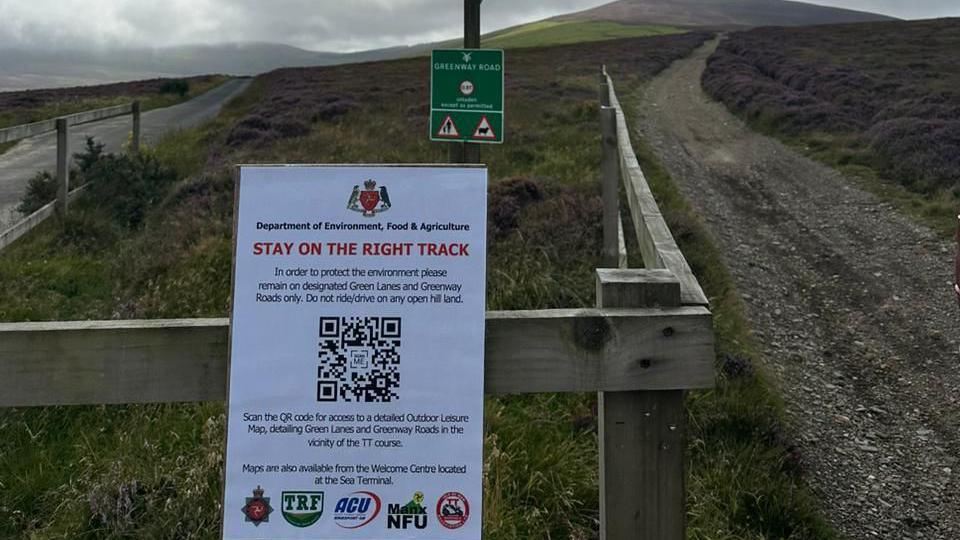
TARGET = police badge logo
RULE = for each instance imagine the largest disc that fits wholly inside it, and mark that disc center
(369, 201)
(257, 510)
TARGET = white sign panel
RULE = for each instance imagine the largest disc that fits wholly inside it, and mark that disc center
(356, 369)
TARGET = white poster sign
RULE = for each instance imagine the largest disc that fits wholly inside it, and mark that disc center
(356, 366)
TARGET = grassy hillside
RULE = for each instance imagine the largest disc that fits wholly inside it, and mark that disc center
(721, 13)
(550, 33)
(561, 33)
(879, 101)
(154, 471)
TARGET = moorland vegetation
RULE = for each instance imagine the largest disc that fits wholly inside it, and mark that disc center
(880, 101)
(154, 471)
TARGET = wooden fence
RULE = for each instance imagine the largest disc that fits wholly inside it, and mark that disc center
(62, 126)
(649, 339)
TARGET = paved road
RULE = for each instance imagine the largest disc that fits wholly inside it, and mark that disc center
(40, 153)
(850, 301)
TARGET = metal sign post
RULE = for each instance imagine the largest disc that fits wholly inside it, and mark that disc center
(462, 152)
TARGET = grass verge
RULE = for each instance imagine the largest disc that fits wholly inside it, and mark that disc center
(935, 208)
(745, 480)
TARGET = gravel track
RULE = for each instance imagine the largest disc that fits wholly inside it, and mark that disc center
(850, 301)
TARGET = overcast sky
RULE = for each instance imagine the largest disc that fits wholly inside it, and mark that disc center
(332, 25)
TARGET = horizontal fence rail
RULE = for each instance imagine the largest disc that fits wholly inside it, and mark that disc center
(23, 131)
(27, 224)
(104, 362)
(62, 126)
(657, 245)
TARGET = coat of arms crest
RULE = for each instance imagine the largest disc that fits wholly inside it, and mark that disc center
(369, 201)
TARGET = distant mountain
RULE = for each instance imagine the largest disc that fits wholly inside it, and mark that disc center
(721, 13)
(21, 69)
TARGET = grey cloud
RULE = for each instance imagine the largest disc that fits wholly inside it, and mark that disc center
(916, 9)
(339, 25)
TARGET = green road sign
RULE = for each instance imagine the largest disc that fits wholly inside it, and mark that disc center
(466, 95)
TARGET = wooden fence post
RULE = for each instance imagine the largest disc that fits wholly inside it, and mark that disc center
(604, 87)
(63, 165)
(135, 141)
(610, 182)
(641, 432)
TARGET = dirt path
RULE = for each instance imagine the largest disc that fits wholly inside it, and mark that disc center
(851, 303)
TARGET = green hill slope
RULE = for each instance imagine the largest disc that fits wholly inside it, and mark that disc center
(548, 33)
(543, 33)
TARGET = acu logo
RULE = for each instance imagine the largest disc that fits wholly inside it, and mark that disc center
(302, 508)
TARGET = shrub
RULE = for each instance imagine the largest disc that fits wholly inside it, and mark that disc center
(85, 160)
(175, 86)
(41, 189)
(128, 185)
(855, 81)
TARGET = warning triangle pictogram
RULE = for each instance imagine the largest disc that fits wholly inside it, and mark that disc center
(448, 129)
(484, 130)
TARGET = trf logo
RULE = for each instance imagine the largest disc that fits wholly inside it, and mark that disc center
(411, 514)
(302, 508)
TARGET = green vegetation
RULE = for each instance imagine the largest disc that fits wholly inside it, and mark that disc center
(41, 189)
(179, 87)
(55, 103)
(936, 208)
(877, 101)
(543, 33)
(155, 471)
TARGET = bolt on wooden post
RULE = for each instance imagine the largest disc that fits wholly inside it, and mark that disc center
(63, 165)
(641, 432)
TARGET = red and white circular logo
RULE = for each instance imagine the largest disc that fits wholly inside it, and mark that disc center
(453, 510)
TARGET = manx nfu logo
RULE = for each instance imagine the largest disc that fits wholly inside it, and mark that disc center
(411, 514)
(302, 508)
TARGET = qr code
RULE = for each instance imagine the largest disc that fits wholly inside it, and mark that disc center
(359, 359)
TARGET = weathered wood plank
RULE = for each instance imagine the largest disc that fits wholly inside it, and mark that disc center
(24, 226)
(610, 184)
(657, 245)
(63, 166)
(70, 363)
(15, 133)
(27, 224)
(99, 114)
(23, 131)
(642, 448)
(640, 432)
(589, 350)
(623, 260)
(639, 287)
(135, 138)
